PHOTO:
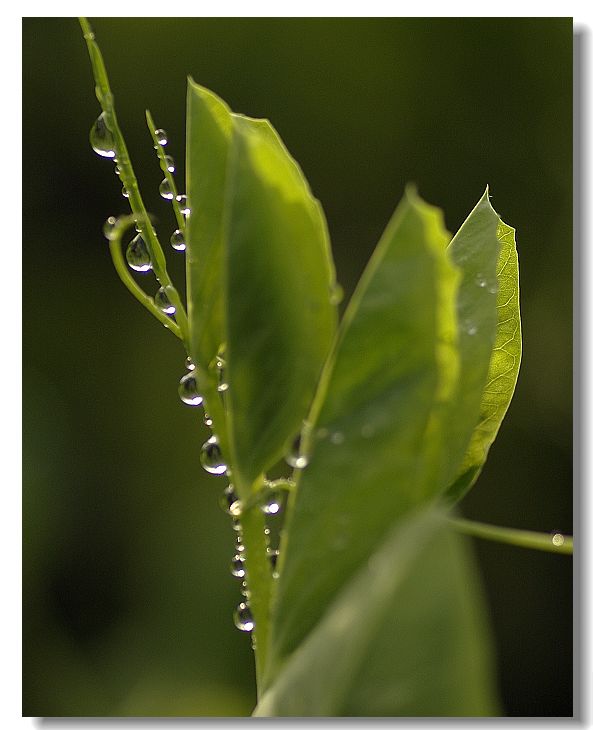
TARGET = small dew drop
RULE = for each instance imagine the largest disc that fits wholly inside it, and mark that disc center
(208, 421)
(273, 558)
(189, 364)
(124, 192)
(295, 458)
(211, 457)
(170, 162)
(163, 302)
(230, 502)
(337, 438)
(178, 240)
(472, 329)
(137, 255)
(117, 170)
(165, 190)
(243, 618)
(480, 280)
(109, 226)
(222, 384)
(161, 137)
(102, 140)
(557, 539)
(238, 566)
(188, 390)
(183, 206)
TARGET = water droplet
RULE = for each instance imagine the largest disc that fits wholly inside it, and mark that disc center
(243, 618)
(273, 498)
(493, 289)
(230, 502)
(178, 240)
(236, 525)
(124, 192)
(165, 190)
(337, 438)
(170, 162)
(245, 590)
(557, 539)
(294, 457)
(189, 363)
(208, 421)
(163, 302)
(273, 557)
(188, 390)
(161, 137)
(137, 255)
(211, 456)
(238, 566)
(117, 170)
(182, 200)
(472, 329)
(102, 140)
(109, 226)
(480, 280)
(239, 547)
(222, 384)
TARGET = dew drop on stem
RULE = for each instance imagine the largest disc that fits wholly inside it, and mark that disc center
(170, 162)
(109, 227)
(137, 255)
(165, 190)
(238, 566)
(230, 502)
(211, 457)
(163, 302)
(189, 363)
(161, 137)
(295, 458)
(183, 206)
(102, 140)
(178, 240)
(188, 390)
(243, 618)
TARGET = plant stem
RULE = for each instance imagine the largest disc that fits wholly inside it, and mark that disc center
(128, 178)
(549, 542)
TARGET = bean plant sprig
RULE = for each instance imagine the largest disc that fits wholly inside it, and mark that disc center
(386, 418)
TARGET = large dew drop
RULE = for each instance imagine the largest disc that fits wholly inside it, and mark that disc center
(165, 190)
(238, 566)
(161, 137)
(163, 302)
(137, 255)
(243, 618)
(211, 457)
(188, 390)
(102, 140)
(178, 240)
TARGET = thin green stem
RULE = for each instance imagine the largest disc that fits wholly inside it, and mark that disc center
(165, 168)
(550, 542)
(259, 581)
(129, 281)
(128, 178)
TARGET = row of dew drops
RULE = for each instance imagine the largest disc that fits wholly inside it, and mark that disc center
(272, 498)
(274, 494)
(137, 255)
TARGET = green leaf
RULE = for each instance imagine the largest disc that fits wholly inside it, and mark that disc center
(260, 282)
(406, 636)
(280, 317)
(377, 438)
(475, 251)
(503, 369)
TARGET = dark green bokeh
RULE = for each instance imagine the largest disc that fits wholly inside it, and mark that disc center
(127, 594)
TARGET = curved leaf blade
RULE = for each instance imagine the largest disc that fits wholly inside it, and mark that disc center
(406, 636)
(377, 442)
(280, 316)
(503, 369)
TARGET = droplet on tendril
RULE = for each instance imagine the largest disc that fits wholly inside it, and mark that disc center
(163, 302)
(170, 162)
(137, 255)
(102, 140)
(165, 190)
(178, 240)
(161, 137)
(109, 227)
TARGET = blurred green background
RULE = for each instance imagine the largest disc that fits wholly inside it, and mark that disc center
(127, 594)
